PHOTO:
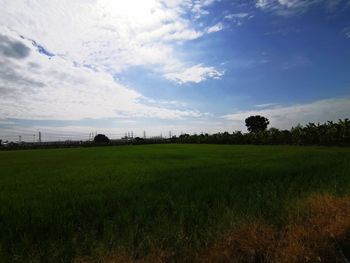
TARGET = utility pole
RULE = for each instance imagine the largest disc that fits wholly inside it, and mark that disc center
(132, 134)
(33, 138)
(144, 134)
(20, 139)
(169, 134)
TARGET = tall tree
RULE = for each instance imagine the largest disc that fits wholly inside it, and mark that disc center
(256, 123)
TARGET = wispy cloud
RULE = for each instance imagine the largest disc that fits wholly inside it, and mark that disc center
(296, 61)
(195, 74)
(292, 7)
(346, 32)
(215, 28)
(236, 15)
(285, 31)
(266, 105)
(198, 7)
(238, 18)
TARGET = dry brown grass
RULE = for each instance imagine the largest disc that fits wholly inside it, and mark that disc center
(320, 234)
(251, 243)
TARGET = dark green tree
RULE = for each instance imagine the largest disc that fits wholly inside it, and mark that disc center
(256, 123)
(101, 138)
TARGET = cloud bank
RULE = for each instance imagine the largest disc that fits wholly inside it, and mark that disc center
(58, 58)
(111, 35)
(35, 86)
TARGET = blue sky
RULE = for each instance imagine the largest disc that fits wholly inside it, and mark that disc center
(69, 68)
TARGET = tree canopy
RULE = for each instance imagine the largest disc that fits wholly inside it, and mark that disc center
(256, 123)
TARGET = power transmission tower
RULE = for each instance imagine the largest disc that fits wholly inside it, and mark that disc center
(39, 137)
(144, 134)
(169, 134)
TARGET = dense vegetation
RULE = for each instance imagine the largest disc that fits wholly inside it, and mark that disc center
(56, 205)
(330, 133)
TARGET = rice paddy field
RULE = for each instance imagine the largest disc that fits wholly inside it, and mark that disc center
(173, 203)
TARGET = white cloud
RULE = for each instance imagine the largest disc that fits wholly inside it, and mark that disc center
(110, 35)
(199, 7)
(89, 41)
(35, 86)
(215, 28)
(195, 74)
(287, 116)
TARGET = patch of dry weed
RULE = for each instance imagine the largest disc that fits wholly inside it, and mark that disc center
(320, 234)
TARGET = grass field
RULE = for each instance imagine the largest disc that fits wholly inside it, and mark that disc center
(64, 204)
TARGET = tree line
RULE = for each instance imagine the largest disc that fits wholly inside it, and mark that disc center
(329, 134)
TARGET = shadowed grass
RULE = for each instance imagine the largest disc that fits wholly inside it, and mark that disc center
(57, 205)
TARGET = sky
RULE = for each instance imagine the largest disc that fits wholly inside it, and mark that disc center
(69, 68)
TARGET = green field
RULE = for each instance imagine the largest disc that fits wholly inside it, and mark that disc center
(57, 205)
